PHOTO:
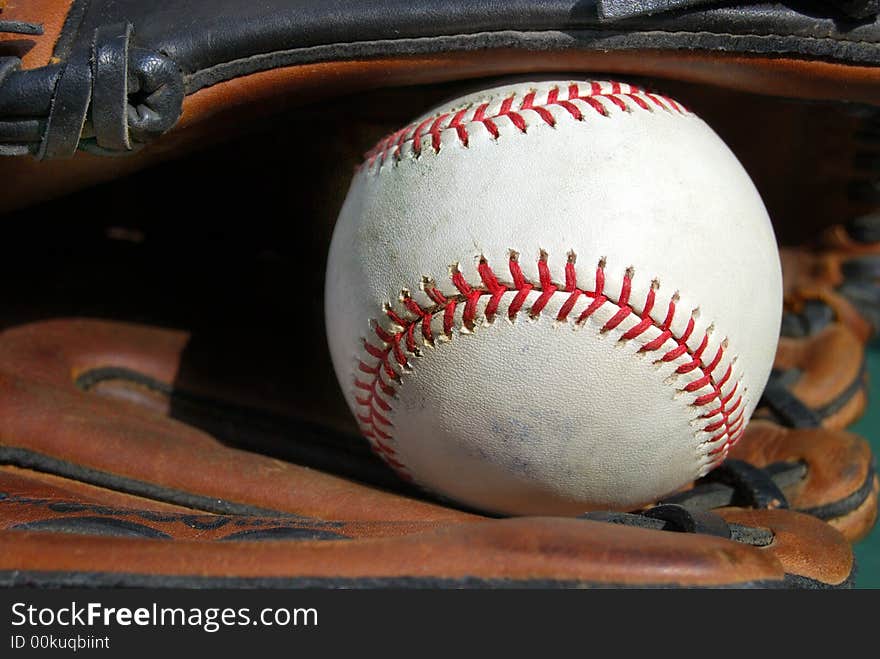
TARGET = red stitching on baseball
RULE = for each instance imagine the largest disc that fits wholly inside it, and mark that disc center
(623, 97)
(396, 341)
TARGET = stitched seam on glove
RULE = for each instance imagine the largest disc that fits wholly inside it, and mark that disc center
(593, 40)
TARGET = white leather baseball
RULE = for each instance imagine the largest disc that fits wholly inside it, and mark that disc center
(550, 297)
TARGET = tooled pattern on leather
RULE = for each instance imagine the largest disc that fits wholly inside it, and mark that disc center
(409, 328)
(577, 102)
(60, 510)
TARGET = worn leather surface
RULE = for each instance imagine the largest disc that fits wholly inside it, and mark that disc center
(840, 269)
(831, 313)
(50, 538)
(39, 393)
(838, 467)
(253, 31)
(523, 553)
(826, 372)
(34, 51)
(200, 47)
(536, 552)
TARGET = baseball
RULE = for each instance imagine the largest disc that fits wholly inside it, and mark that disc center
(553, 297)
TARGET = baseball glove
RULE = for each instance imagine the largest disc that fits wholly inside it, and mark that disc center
(832, 309)
(119, 472)
(149, 445)
(169, 414)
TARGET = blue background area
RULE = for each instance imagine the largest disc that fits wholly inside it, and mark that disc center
(868, 550)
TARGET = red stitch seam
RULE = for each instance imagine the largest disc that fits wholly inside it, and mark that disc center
(577, 102)
(399, 339)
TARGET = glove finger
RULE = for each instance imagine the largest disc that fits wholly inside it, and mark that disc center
(33, 501)
(817, 379)
(785, 549)
(838, 483)
(829, 559)
(842, 271)
(827, 474)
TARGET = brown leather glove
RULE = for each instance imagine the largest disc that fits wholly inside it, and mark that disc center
(832, 308)
(824, 473)
(835, 278)
(118, 469)
(819, 379)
